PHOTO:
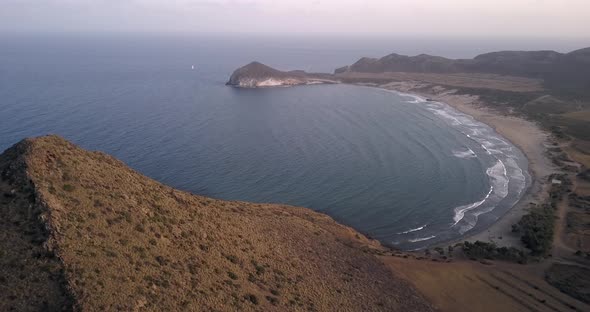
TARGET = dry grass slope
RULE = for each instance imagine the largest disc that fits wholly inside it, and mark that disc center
(127, 242)
(31, 277)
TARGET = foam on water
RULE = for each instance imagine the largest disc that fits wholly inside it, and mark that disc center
(468, 153)
(505, 172)
(460, 211)
(506, 177)
(421, 239)
(413, 230)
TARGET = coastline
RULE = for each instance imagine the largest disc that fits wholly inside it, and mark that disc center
(532, 141)
(522, 133)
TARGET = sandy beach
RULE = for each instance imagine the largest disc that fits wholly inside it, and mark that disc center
(524, 134)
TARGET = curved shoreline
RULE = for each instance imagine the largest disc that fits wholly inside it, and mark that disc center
(523, 134)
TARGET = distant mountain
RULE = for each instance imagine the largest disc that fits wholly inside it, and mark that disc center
(401, 63)
(558, 70)
(571, 72)
(514, 63)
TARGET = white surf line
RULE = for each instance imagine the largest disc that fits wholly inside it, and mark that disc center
(415, 240)
(461, 210)
(413, 230)
(456, 122)
(469, 153)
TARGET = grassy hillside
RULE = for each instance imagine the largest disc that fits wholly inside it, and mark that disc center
(110, 238)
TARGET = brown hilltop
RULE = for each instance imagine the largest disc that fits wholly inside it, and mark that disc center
(81, 230)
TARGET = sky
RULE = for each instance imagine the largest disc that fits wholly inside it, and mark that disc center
(498, 18)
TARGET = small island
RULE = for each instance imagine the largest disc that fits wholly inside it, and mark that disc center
(256, 75)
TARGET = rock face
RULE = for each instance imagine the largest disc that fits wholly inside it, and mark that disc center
(81, 231)
(256, 75)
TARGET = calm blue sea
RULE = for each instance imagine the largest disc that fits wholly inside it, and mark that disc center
(407, 172)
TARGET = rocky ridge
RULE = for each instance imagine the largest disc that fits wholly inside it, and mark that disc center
(82, 231)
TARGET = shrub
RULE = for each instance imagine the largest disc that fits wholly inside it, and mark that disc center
(440, 250)
(161, 260)
(272, 300)
(259, 268)
(232, 258)
(252, 298)
(536, 227)
(482, 250)
(536, 230)
(140, 228)
(111, 254)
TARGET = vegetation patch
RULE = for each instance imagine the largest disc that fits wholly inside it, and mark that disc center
(482, 250)
(252, 298)
(536, 227)
(570, 279)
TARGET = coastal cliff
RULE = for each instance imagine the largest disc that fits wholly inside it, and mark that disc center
(256, 75)
(82, 231)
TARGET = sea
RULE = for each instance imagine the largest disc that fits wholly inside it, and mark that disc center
(406, 171)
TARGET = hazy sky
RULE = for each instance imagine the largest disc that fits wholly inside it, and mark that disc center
(539, 18)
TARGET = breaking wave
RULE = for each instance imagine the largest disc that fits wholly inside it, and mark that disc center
(413, 230)
(507, 180)
(421, 239)
(505, 175)
(469, 153)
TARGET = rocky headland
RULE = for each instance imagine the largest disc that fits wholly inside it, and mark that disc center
(256, 75)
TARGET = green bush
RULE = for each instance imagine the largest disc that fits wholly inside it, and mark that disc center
(482, 250)
(536, 229)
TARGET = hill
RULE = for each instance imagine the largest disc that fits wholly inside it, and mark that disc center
(422, 63)
(256, 75)
(80, 230)
(568, 73)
